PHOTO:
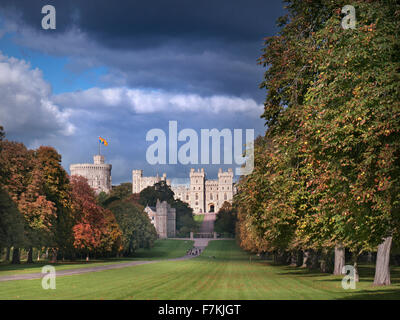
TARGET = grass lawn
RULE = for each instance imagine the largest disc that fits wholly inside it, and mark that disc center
(163, 249)
(230, 275)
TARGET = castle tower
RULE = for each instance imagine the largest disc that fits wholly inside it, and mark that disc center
(197, 190)
(225, 186)
(97, 173)
(136, 180)
(163, 217)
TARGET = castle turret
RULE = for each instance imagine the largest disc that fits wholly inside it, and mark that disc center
(97, 173)
(197, 188)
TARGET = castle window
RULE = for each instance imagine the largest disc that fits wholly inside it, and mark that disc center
(199, 188)
(187, 197)
(222, 188)
(197, 196)
(197, 203)
(225, 198)
(211, 197)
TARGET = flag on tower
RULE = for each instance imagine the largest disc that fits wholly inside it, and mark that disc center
(103, 141)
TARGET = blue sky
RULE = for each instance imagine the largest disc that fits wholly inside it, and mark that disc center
(118, 71)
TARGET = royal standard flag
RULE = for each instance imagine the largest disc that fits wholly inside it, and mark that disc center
(103, 141)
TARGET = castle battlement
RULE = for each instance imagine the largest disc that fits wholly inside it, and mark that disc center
(97, 173)
(202, 195)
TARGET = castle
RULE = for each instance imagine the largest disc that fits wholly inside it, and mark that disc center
(202, 195)
(139, 182)
(163, 217)
(97, 173)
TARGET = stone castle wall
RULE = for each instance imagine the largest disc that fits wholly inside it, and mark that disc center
(163, 217)
(202, 195)
(97, 173)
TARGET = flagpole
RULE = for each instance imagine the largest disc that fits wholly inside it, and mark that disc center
(99, 146)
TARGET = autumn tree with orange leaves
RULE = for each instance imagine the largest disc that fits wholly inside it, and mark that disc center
(95, 227)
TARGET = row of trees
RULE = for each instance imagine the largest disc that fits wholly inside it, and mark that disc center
(42, 207)
(327, 172)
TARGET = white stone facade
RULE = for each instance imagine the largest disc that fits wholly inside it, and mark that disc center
(97, 173)
(163, 217)
(202, 195)
(139, 182)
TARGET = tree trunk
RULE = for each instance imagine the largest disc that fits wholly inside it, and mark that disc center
(306, 258)
(293, 259)
(339, 260)
(369, 257)
(382, 269)
(30, 255)
(314, 260)
(355, 265)
(15, 256)
(8, 253)
(38, 255)
(53, 256)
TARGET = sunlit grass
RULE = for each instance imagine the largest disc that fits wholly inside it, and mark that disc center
(163, 249)
(223, 271)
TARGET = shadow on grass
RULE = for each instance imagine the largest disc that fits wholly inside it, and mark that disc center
(8, 266)
(384, 294)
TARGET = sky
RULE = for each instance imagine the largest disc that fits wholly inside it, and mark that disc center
(120, 69)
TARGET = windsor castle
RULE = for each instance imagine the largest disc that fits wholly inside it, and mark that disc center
(203, 195)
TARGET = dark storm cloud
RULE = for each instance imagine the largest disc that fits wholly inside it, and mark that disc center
(116, 22)
(207, 47)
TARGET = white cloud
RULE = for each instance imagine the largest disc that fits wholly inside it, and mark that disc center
(26, 105)
(144, 101)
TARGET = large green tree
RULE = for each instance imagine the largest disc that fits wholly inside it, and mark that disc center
(351, 124)
(137, 230)
(57, 189)
(11, 223)
(327, 173)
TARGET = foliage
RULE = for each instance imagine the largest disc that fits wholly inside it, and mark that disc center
(159, 191)
(225, 221)
(95, 228)
(184, 214)
(137, 230)
(327, 170)
(11, 222)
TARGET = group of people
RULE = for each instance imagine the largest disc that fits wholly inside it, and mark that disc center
(193, 252)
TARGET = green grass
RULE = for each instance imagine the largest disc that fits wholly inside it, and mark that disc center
(163, 249)
(229, 275)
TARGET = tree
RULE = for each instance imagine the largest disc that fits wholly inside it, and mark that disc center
(11, 223)
(226, 219)
(16, 165)
(137, 230)
(39, 213)
(95, 229)
(351, 123)
(160, 191)
(184, 214)
(185, 222)
(57, 189)
(331, 171)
